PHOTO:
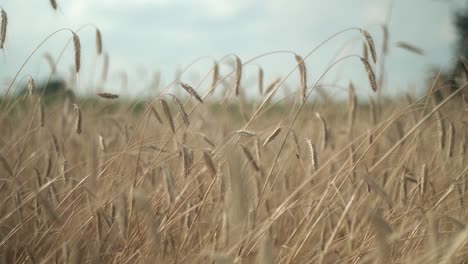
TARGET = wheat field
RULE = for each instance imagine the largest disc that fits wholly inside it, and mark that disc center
(187, 177)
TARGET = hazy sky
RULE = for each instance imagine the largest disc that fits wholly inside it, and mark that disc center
(145, 36)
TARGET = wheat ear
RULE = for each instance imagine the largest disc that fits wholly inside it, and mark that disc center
(108, 95)
(238, 75)
(370, 74)
(31, 86)
(77, 118)
(191, 91)
(215, 76)
(409, 47)
(303, 76)
(98, 42)
(323, 125)
(296, 143)
(3, 27)
(370, 44)
(272, 136)
(440, 130)
(313, 154)
(167, 112)
(53, 3)
(451, 139)
(260, 81)
(77, 46)
(181, 109)
(250, 158)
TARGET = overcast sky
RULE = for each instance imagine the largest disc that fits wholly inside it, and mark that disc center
(145, 36)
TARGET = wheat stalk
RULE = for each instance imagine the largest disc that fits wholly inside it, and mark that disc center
(155, 113)
(209, 163)
(372, 111)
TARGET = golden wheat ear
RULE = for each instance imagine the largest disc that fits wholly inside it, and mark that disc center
(303, 76)
(370, 44)
(77, 118)
(77, 46)
(370, 74)
(238, 75)
(272, 136)
(191, 91)
(181, 109)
